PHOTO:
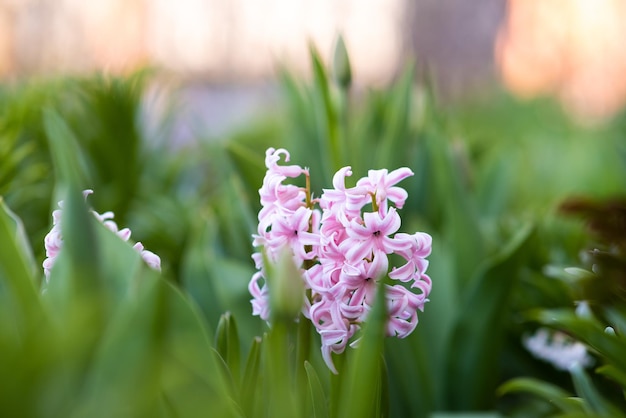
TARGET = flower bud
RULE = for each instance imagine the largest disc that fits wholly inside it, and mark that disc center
(286, 287)
(342, 73)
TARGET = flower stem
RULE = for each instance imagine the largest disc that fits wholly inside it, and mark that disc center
(303, 349)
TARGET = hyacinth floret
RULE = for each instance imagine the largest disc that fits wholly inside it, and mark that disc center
(557, 348)
(341, 243)
(53, 241)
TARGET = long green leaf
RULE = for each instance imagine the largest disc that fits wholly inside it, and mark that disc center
(459, 219)
(327, 115)
(613, 373)
(126, 371)
(17, 263)
(551, 393)
(66, 156)
(473, 349)
(191, 375)
(227, 344)
(594, 402)
(250, 393)
(397, 134)
(318, 398)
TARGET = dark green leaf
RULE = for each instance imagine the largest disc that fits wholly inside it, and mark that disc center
(551, 393)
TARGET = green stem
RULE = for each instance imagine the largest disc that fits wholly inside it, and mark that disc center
(336, 384)
(282, 401)
(303, 350)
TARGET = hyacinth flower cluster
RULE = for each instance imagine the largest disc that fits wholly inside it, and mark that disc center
(53, 241)
(341, 243)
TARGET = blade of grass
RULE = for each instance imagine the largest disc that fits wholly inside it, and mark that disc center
(318, 398)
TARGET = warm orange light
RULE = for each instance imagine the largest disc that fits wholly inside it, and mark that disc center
(574, 49)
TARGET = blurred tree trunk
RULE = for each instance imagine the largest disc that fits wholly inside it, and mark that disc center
(455, 40)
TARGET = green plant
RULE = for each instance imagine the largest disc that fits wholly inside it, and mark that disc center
(477, 261)
(601, 328)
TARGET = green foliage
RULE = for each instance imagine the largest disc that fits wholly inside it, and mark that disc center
(475, 270)
(100, 340)
(602, 289)
(106, 336)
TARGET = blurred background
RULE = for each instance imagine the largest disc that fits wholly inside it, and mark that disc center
(571, 49)
(244, 40)
(503, 109)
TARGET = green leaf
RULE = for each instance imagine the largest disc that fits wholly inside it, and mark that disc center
(18, 289)
(465, 415)
(126, 370)
(76, 288)
(479, 331)
(318, 398)
(16, 257)
(551, 393)
(460, 226)
(614, 373)
(594, 402)
(80, 253)
(397, 113)
(66, 156)
(191, 375)
(227, 344)
(412, 376)
(327, 115)
(251, 380)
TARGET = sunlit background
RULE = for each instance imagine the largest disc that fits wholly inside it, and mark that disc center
(573, 49)
(211, 39)
(570, 49)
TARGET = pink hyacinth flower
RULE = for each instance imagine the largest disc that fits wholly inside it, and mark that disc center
(342, 251)
(372, 236)
(381, 184)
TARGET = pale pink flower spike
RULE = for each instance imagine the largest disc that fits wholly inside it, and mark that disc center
(341, 242)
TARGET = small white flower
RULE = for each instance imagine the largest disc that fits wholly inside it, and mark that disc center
(583, 310)
(558, 349)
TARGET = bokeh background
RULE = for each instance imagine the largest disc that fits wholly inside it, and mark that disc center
(510, 113)
(570, 49)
